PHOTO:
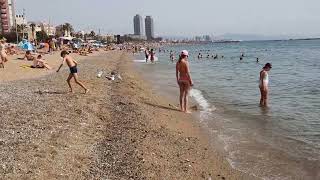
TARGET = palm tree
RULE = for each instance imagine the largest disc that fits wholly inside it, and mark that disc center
(92, 34)
(21, 29)
(59, 31)
(33, 25)
(67, 27)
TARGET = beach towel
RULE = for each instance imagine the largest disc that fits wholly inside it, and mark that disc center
(26, 66)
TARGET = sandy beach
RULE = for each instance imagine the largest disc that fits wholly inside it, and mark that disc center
(120, 130)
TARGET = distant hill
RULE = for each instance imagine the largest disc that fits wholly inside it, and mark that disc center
(254, 37)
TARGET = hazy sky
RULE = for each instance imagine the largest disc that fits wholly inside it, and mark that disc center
(183, 17)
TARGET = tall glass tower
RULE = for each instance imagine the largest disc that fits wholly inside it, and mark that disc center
(149, 28)
(138, 25)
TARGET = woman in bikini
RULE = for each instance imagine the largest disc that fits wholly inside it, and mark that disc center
(263, 85)
(183, 79)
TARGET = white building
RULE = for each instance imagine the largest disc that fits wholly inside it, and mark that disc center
(20, 20)
(48, 28)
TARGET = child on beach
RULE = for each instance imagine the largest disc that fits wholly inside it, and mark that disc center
(263, 84)
(40, 63)
(73, 70)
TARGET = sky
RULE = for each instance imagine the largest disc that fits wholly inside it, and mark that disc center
(270, 18)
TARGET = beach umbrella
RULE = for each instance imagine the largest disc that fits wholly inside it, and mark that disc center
(26, 45)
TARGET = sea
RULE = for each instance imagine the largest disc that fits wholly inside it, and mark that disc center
(280, 142)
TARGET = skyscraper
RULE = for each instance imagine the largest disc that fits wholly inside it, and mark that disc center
(7, 15)
(149, 28)
(138, 25)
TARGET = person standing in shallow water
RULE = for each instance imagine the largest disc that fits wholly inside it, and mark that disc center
(146, 53)
(152, 53)
(183, 79)
(263, 85)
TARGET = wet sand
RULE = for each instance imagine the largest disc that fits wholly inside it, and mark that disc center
(120, 130)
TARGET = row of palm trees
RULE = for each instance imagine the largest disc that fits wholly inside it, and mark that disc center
(67, 27)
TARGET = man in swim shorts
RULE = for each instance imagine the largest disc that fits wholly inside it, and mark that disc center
(73, 70)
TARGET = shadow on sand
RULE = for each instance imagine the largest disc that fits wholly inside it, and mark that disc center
(163, 107)
(50, 92)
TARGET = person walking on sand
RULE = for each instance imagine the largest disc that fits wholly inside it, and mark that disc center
(73, 70)
(3, 53)
(263, 84)
(183, 79)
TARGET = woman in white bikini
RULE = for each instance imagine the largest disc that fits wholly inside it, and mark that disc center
(3, 53)
(183, 79)
(263, 85)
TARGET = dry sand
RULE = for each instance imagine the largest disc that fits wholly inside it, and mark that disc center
(120, 130)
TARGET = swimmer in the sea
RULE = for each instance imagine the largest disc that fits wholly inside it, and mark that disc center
(199, 56)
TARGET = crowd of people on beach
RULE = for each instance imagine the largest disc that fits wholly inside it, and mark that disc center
(38, 50)
(183, 75)
(37, 60)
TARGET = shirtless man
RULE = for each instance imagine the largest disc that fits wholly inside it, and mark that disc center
(183, 79)
(28, 56)
(73, 70)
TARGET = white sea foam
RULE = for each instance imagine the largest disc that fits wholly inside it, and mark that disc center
(206, 107)
(144, 60)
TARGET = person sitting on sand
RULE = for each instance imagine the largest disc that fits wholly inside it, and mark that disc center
(28, 56)
(263, 84)
(73, 70)
(90, 50)
(83, 52)
(11, 50)
(183, 79)
(40, 63)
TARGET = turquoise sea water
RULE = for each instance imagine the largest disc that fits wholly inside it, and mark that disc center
(282, 142)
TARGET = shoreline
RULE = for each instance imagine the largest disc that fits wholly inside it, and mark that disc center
(121, 129)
